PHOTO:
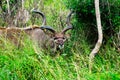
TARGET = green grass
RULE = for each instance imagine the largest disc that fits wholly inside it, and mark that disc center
(25, 64)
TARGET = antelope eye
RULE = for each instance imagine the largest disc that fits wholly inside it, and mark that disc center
(55, 38)
(64, 38)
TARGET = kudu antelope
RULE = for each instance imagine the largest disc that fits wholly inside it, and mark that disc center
(54, 41)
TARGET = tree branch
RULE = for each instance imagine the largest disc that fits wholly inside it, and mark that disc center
(100, 35)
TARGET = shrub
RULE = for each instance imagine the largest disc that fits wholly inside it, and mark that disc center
(110, 14)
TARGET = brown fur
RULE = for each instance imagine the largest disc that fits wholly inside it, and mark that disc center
(40, 37)
(15, 34)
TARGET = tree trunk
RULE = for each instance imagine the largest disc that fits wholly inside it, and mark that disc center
(22, 4)
(100, 36)
(8, 6)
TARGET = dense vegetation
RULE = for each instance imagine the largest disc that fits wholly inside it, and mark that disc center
(24, 64)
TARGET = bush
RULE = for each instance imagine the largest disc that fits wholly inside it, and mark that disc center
(85, 13)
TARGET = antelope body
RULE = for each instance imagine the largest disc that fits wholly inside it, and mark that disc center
(53, 40)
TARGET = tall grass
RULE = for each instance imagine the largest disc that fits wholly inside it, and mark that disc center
(24, 64)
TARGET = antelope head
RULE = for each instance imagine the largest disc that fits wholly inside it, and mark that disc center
(57, 39)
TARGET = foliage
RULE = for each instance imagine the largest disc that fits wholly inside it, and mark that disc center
(24, 63)
(85, 12)
(4, 15)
